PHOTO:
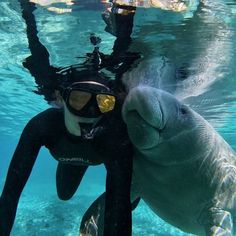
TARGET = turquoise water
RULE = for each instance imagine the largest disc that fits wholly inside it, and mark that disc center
(201, 40)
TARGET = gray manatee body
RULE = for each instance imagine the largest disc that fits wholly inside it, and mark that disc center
(183, 169)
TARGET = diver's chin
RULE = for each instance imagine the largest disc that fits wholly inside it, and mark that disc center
(72, 122)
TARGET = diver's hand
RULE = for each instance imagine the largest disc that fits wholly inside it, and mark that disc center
(7, 215)
(118, 20)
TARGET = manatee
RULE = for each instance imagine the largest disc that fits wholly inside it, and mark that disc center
(183, 169)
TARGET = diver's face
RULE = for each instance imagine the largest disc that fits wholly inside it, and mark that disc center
(86, 102)
(83, 104)
(88, 99)
(72, 122)
(78, 99)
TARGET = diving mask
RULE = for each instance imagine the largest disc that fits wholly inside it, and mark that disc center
(89, 99)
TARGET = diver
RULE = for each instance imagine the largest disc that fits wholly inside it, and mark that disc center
(87, 130)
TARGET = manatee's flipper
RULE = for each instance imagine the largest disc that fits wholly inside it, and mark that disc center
(93, 220)
(68, 178)
(217, 222)
(135, 203)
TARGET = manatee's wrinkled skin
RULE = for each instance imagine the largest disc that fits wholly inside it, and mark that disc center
(183, 169)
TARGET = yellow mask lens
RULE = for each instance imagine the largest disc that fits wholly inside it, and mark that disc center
(78, 99)
(105, 102)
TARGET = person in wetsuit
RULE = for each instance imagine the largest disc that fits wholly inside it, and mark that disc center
(87, 130)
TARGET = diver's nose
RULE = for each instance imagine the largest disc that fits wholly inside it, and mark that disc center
(94, 111)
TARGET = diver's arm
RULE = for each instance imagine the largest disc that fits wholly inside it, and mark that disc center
(17, 176)
(37, 49)
(118, 217)
(38, 62)
(119, 20)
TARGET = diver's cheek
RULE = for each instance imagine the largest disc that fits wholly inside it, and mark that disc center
(142, 135)
(71, 123)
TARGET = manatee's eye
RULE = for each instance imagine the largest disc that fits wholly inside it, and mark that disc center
(184, 110)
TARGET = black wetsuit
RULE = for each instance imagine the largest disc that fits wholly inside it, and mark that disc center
(109, 145)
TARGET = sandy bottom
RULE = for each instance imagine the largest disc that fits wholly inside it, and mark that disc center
(41, 213)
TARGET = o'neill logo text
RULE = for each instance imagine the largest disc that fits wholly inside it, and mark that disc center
(74, 159)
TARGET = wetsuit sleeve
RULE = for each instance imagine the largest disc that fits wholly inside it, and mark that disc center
(38, 62)
(18, 173)
(118, 219)
(119, 24)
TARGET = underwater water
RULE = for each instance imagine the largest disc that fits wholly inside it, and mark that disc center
(200, 41)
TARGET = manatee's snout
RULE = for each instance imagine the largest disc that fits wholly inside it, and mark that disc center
(145, 101)
(144, 116)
